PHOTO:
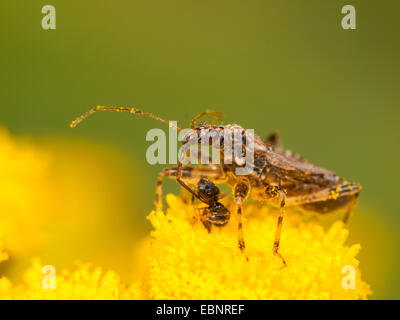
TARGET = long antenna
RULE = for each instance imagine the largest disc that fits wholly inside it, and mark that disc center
(121, 109)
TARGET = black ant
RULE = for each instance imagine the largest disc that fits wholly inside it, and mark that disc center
(216, 213)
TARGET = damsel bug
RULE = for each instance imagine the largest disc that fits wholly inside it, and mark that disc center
(277, 176)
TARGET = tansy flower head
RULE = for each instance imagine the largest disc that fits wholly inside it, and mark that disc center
(187, 262)
(85, 282)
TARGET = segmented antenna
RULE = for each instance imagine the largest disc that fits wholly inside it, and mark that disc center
(121, 109)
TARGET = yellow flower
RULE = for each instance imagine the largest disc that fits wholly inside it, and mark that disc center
(23, 184)
(84, 283)
(187, 262)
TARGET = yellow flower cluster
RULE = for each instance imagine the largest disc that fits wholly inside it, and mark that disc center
(23, 183)
(181, 260)
(186, 262)
(85, 283)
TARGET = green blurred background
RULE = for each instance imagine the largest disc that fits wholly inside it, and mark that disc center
(333, 94)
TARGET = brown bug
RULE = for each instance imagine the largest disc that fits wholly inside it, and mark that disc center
(277, 176)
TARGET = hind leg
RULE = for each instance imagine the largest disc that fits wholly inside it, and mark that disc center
(329, 199)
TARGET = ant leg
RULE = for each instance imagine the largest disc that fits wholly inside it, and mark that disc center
(279, 229)
(207, 224)
(240, 192)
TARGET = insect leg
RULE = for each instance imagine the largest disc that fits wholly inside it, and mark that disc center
(329, 199)
(189, 175)
(202, 217)
(279, 228)
(217, 116)
(186, 196)
(189, 141)
(183, 151)
(240, 192)
(276, 193)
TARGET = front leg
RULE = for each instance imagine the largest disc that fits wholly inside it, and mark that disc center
(240, 192)
(190, 175)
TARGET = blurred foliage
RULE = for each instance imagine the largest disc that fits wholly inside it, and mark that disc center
(268, 65)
